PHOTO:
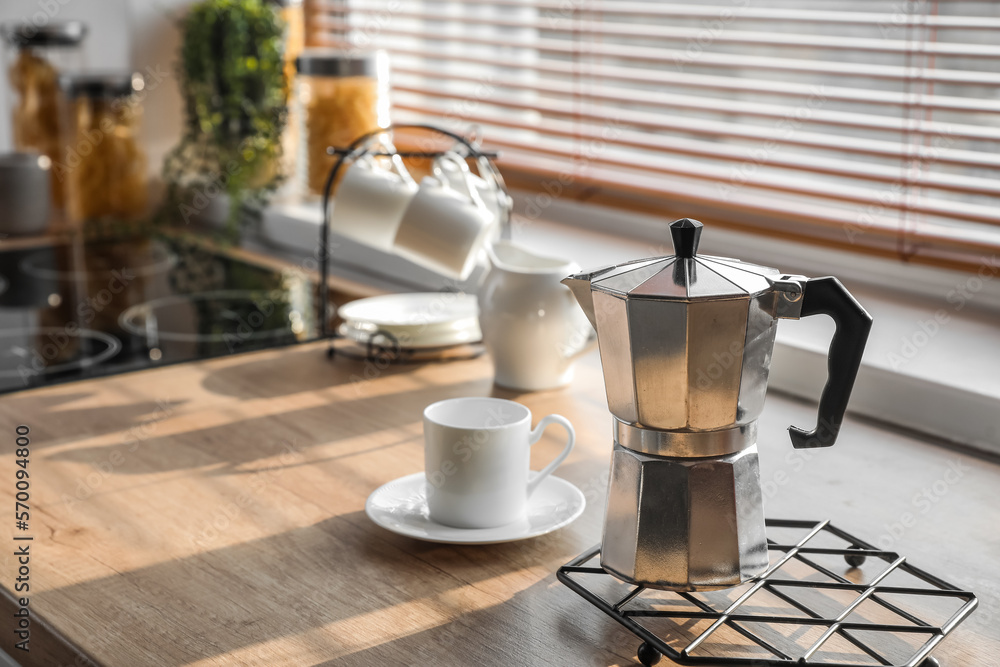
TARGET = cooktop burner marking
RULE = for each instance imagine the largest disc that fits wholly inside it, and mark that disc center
(140, 320)
(29, 355)
(162, 260)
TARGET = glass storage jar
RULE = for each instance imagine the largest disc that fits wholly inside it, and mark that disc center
(292, 14)
(104, 166)
(34, 58)
(340, 96)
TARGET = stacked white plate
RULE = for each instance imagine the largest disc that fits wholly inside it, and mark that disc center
(417, 320)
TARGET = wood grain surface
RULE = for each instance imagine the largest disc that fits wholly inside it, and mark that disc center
(213, 514)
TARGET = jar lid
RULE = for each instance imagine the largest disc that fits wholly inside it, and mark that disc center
(54, 33)
(336, 62)
(108, 85)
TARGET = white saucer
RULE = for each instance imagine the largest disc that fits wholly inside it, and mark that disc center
(412, 311)
(362, 332)
(417, 320)
(401, 506)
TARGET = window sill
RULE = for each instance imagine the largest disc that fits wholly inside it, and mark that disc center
(931, 364)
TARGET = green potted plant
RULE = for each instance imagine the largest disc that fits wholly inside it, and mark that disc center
(232, 80)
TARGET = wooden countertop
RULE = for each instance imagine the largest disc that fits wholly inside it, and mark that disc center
(213, 514)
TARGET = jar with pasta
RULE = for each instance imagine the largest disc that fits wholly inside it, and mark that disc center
(35, 57)
(292, 14)
(340, 96)
(103, 165)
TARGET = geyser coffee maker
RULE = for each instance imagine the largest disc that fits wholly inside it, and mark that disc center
(686, 344)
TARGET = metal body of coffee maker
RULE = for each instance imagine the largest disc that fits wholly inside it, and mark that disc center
(686, 344)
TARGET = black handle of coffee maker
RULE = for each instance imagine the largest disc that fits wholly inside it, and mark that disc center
(826, 296)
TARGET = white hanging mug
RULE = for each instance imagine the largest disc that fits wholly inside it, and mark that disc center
(446, 224)
(496, 200)
(371, 200)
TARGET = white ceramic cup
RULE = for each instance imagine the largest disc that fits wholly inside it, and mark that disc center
(446, 226)
(476, 458)
(371, 200)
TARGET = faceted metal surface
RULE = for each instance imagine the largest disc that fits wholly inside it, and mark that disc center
(620, 281)
(611, 320)
(682, 278)
(658, 366)
(674, 359)
(750, 277)
(716, 336)
(580, 283)
(677, 366)
(757, 348)
(684, 524)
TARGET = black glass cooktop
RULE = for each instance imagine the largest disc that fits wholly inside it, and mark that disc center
(71, 309)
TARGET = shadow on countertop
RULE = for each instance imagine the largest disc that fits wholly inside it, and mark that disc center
(342, 579)
(269, 377)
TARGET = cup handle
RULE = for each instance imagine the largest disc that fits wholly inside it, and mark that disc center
(400, 168)
(466, 175)
(536, 434)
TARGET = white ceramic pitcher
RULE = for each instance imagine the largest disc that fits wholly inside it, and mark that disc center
(531, 323)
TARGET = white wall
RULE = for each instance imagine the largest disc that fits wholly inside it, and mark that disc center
(154, 52)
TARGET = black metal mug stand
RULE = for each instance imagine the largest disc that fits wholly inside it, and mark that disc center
(629, 610)
(362, 147)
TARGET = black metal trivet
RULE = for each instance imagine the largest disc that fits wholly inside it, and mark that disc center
(806, 609)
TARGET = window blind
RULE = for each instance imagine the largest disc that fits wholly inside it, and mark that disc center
(864, 125)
